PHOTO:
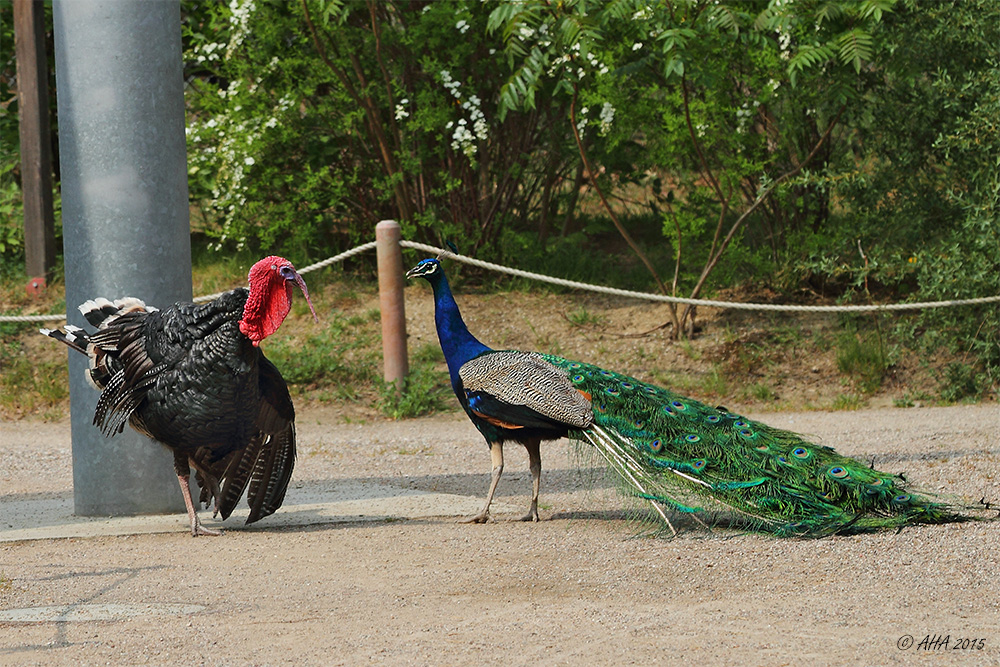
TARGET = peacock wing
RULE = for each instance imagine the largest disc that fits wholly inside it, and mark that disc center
(523, 389)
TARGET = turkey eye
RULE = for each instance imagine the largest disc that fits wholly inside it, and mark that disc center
(287, 272)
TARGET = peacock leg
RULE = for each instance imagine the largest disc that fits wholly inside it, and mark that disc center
(183, 478)
(535, 463)
(496, 454)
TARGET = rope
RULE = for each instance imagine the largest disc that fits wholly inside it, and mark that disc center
(696, 302)
(365, 247)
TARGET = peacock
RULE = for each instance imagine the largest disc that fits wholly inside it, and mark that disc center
(665, 448)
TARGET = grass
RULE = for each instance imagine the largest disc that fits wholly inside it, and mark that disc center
(736, 360)
(762, 392)
(582, 317)
(425, 391)
(847, 402)
(28, 384)
(863, 358)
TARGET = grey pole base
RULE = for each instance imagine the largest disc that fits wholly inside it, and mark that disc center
(126, 230)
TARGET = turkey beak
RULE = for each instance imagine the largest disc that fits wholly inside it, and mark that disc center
(305, 292)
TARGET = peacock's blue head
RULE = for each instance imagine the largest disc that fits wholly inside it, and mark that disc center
(425, 269)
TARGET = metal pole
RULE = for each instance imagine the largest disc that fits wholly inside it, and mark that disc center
(390, 294)
(126, 230)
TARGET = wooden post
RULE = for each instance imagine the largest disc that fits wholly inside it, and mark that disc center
(36, 152)
(390, 292)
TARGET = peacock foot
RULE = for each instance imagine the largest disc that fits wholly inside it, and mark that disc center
(532, 515)
(482, 517)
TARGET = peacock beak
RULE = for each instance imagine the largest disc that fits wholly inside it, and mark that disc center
(414, 272)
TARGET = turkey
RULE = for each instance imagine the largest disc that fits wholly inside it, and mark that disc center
(665, 448)
(193, 378)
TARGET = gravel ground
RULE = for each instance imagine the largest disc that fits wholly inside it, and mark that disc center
(579, 587)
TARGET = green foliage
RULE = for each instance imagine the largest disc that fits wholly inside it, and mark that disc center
(309, 121)
(11, 209)
(863, 358)
(960, 382)
(27, 385)
(762, 392)
(340, 356)
(847, 402)
(586, 319)
(424, 392)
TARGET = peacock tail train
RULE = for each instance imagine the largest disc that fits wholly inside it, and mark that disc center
(691, 457)
(666, 448)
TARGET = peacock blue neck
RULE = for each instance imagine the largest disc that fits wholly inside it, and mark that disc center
(458, 345)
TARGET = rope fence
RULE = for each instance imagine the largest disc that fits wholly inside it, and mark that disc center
(600, 289)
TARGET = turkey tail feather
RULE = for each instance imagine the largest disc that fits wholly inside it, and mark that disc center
(270, 477)
(73, 337)
(237, 475)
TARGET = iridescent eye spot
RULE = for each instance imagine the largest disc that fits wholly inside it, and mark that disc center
(627, 385)
(782, 459)
(638, 423)
(762, 448)
(649, 390)
(692, 437)
(741, 424)
(577, 379)
(678, 405)
(838, 472)
(607, 374)
(574, 365)
(713, 419)
(878, 482)
(746, 433)
(656, 445)
(699, 464)
(902, 498)
(800, 453)
(602, 408)
(611, 391)
(669, 411)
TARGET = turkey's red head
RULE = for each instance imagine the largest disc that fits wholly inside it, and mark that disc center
(270, 299)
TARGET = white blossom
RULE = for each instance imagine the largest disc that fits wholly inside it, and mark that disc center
(607, 116)
(581, 124)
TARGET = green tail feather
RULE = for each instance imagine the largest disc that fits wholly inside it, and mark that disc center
(692, 457)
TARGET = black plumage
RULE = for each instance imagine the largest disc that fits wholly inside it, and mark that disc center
(192, 377)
